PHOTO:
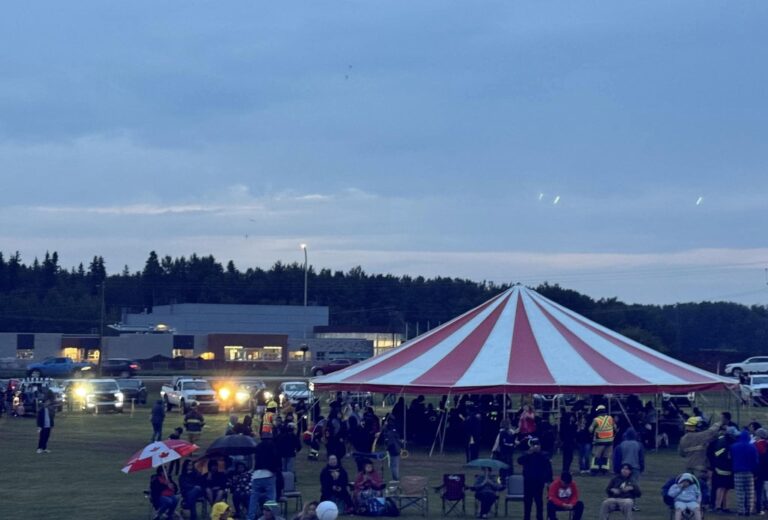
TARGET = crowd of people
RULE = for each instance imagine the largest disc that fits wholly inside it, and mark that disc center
(591, 440)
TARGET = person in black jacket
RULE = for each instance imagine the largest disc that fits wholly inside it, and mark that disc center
(191, 487)
(267, 481)
(45, 417)
(537, 471)
(288, 445)
(334, 483)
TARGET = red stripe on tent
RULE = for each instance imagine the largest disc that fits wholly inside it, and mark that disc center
(455, 364)
(526, 364)
(607, 369)
(660, 363)
(409, 353)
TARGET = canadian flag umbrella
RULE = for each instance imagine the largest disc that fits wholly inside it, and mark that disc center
(157, 454)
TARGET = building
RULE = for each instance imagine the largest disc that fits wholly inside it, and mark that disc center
(254, 335)
(383, 339)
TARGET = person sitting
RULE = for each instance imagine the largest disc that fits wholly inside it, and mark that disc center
(239, 483)
(190, 485)
(563, 495)
(214, 483)
(367, 484)
(270, 511)
(622, 491)
(334, 482)
(162, 493)
(686, 495)
(485, 488)
(308, 512)
(221, 511)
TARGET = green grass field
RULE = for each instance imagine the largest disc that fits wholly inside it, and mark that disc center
(81, 478)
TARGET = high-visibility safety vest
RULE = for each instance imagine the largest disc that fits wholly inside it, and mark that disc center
(266, 425)
(603, 428)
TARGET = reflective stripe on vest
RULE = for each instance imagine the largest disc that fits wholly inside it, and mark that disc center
(604, 429)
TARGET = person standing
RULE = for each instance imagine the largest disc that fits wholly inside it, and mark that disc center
(537, 471)
(563, 495)
(603, 431)
(567, 435)
(157, 418)
(473, 432)
(265, 485)
(745, 463)
(630, 451)
(45, 417)
(391, 440)
(194, 423)
(761, 475)
(288, 445)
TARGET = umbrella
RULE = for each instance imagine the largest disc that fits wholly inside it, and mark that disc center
(157, 454)
(486, 463)
(232, 445)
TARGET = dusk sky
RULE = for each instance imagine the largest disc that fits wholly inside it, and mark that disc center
(617, 148)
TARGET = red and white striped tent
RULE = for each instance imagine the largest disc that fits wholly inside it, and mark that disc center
(521, 342)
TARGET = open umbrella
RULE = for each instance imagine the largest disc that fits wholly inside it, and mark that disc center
(157, 454)
(486, 463)
(232, 445)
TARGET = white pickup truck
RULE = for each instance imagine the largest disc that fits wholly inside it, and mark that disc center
(755, 390)
(188, 390)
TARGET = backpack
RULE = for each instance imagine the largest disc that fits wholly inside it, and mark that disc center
(665, 492)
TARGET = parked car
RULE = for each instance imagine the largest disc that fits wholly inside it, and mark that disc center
(61, 367)
(97, 395)
(133, 389)
(119, 367)
(294, 391)
(237, 395)
(753, 365)
(755, 390)
(332, 366)
(32, 392)
(186, 390)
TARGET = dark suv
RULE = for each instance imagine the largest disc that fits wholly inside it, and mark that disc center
(332, 366)
(118, 367)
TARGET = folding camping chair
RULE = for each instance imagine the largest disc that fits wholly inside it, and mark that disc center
(514, 491)
(453, 492)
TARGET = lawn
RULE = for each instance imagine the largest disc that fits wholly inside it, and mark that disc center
(81, 478)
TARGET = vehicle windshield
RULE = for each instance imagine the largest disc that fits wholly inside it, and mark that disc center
(104, 386)
(128, 383)
(296, 387)
(762, 380)
(197, 385)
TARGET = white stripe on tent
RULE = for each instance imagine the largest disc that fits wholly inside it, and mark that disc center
(491, 365)
(565, 364)
(405, 374)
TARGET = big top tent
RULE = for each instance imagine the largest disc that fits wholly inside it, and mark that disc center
(520, 342)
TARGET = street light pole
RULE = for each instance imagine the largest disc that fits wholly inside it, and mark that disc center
(304, 347)
(306, 267)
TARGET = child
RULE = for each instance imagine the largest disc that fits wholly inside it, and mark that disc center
(687, 496)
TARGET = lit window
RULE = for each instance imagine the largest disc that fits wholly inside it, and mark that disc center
(208, 355)
(25, 353)
(73, 353)
(233, 353)
(183, 352)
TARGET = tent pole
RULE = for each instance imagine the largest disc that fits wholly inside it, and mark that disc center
(445, 423)
(443, 417)
(656, 404)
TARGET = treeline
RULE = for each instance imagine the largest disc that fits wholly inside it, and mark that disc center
(44, 297)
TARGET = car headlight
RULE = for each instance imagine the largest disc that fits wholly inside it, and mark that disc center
(224, 393)
(242, 397)
(80, 392)
(119, 396)
(268, 395)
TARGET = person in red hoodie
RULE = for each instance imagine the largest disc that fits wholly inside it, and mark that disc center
(563, 495)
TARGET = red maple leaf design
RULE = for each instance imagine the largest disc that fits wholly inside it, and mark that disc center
(164, 454)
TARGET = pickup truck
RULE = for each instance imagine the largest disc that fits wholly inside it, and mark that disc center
(187, 390)
(58, 367)
(755, 391)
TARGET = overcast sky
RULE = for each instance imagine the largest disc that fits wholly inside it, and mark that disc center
(618, 148)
